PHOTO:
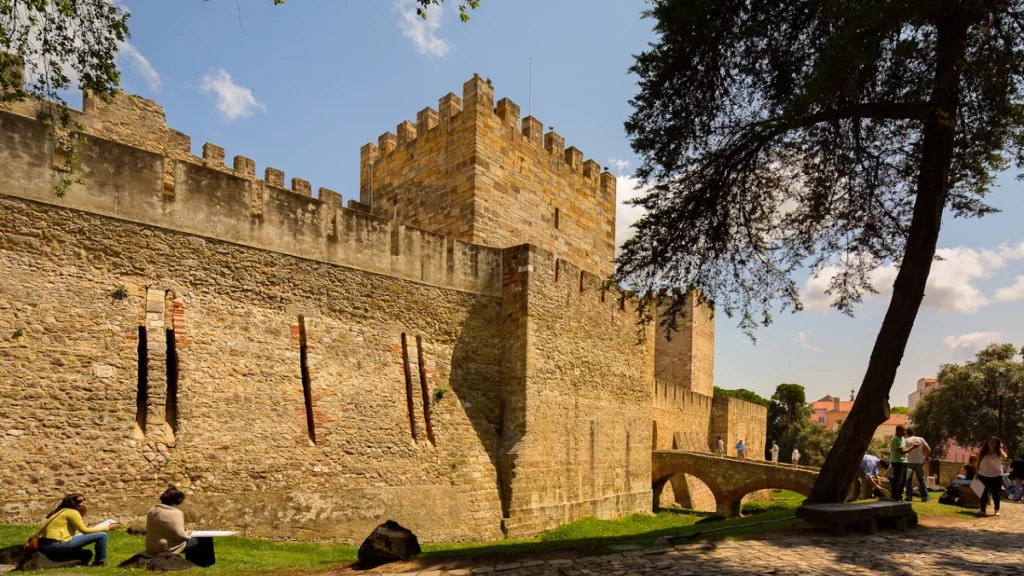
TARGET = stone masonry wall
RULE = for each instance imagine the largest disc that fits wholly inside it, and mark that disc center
(303, 370)
(101, 398)
(681, 422)
(733, 419)
(468, 170)
(238, 442)
(686, 356)
(577, 426)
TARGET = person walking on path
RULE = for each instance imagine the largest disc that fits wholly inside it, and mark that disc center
(741, 449)
(898, 451)
(1017, 475)
(795, 457)
(775, 454)
(915, 464)
(65, 531)
(721, 446)
(990, 472)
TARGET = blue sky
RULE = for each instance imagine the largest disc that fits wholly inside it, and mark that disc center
(301, 87)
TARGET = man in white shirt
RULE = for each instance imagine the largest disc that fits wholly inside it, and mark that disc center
(915, 464)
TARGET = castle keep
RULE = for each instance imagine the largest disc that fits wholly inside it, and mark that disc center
(439, 352)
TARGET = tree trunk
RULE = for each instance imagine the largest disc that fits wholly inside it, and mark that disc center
(871, 407)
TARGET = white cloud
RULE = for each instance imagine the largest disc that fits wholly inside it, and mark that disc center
(801, 339)
(620, 165)
(951, 285)
(128, 55)
(423, 33)
(968, 344)
(233, 101)
(1011, 293)
(625, 214)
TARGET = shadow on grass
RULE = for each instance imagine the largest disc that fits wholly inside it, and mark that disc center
(563, 543)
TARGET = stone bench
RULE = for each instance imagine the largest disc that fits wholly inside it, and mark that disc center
(869, 515)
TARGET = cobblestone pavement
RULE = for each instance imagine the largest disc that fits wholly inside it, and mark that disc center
(986, 546)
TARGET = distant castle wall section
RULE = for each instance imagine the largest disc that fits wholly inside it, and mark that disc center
(734, 419)
(686, 355)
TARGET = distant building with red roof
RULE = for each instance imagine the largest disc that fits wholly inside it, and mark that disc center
(830, 412)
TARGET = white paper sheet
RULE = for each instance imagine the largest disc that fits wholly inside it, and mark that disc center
(213, 533)
(105, 523)
(977, 486)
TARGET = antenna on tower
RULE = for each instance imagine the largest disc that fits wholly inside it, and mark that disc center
(529, 103)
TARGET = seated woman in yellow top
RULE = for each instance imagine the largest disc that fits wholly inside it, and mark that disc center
(64, 530)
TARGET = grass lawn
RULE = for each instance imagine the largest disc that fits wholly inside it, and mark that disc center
(235, 555)
(587, 536)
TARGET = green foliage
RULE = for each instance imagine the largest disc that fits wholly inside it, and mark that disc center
(898, 410)
(18, 333)
(235, 555)
(742, 394)
(789, 423)
(878, 448)
(790, 133)
(464, 7)
(964, 408)
(56, 41)
(439, 394)
(120, 292)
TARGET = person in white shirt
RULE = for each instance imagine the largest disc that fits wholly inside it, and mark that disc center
(775, 452)
(721, 446)
(915, 464)
(796, 456)
(990, 472)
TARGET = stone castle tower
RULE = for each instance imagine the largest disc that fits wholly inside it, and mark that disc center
(439, 352)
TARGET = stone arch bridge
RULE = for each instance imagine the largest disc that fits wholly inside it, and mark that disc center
(728, 478)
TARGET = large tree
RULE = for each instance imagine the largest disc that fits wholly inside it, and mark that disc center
(778, 134)
(965, 406)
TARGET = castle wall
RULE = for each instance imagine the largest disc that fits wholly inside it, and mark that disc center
(577, 427)
(468, 170)
(306, 371)
(686, 355)
(682, 419)
(733, 419)
(240, 446)
(229, 264)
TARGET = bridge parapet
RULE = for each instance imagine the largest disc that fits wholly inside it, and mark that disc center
(729, 479)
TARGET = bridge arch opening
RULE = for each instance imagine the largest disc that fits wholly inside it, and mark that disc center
(686, 491)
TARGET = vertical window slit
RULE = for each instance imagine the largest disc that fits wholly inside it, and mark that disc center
(558, 268)
(142, 383)
(171, 405)
(307, 387)
(424, 389)
(581, 280)
(556, 218)
(408, 385)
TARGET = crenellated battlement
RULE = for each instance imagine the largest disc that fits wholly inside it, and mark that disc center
(476, 170)
(131, 174)
(478, 95)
